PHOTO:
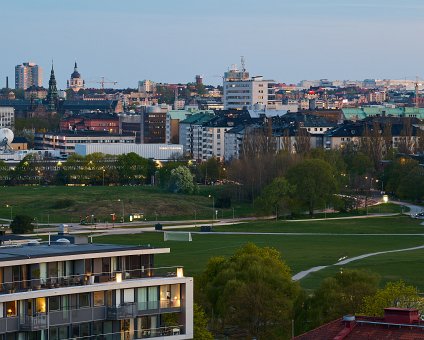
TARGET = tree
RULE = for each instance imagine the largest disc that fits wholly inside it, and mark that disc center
(411, 186)
(210, 170)
(276, 196)
(181, 180)
(250, 294)
(200, 324)
(132, 169)
(394, 294)
(314, 181)
(22, 224)
(342, 294)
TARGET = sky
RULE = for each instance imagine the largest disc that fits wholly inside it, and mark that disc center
(173, 40)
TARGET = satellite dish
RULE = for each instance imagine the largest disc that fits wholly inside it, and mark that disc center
(6, 137)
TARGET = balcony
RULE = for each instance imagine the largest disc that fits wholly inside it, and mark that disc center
(124, 311)
(131, 310)
(33, 323)
(85, 279)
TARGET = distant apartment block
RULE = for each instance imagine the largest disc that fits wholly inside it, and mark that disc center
(242, 92)
(7, 117)
(28, 74)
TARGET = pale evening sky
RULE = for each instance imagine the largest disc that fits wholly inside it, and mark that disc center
(172, 41)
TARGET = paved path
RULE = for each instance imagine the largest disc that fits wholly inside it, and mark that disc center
(304, 273)
(413, 209)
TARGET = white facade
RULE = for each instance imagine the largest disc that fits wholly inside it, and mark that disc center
(241, 92)
(233, 144)
(160, 152)
(68, 290)
(7, 117)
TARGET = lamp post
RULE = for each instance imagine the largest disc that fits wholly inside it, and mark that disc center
(103, 173)
(123, 211)
(11, 211)
(213, 206)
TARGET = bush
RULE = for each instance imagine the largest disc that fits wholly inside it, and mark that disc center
(22, 224)
(63, 203)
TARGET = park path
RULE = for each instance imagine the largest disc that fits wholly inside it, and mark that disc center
(304, 273)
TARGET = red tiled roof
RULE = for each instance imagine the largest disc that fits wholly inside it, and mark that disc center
(364, 330)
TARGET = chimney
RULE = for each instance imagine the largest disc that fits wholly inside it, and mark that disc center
(7, 82)
(401, 315)
(349, 322)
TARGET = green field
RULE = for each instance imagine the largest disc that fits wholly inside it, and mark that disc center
(300, 252)
(41, 202)
(374, 225)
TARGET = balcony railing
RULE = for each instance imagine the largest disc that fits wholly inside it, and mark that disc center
(86, 279)
(130, 310)
(33, 323)
(139, 334)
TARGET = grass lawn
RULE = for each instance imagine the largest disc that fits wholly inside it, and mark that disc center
(405, 266)
(374, 225)
(300, 252)
(41, 202)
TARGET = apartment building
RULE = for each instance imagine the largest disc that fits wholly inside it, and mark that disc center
(7, 117)
(65, 141)
(28, 74)
(68, 288)
(242, 92)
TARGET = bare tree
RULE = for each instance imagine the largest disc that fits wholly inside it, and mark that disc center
(406, 142)
(302, 140)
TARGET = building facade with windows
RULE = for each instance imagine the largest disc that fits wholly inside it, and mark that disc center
(65, 141)
(71, 289)
(28, 74)
(7, 117)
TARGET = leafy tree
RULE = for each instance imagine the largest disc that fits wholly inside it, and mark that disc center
(314, 181)
(276, 196)
(250, 294)
(411, 186)
(4, 172)
(132, 168)
(181, 180)
(394, 294)
(209, 170)
(396, 171)
(200, 323)
(22, 224)
(339, 295)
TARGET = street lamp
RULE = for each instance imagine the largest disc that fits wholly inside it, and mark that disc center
(11, 211)
(213, 206)
(123, 211)
(103, 172)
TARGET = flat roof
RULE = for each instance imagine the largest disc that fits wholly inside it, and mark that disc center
(34, 251)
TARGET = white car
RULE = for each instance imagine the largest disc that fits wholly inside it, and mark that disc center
(420, 215)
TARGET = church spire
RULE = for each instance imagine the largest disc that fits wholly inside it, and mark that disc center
(52, 96)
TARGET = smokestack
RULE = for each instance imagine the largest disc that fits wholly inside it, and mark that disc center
(7, 82)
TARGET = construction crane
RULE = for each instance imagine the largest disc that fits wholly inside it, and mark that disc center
(102, 82)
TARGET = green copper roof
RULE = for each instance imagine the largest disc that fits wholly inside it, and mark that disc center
(364, 112)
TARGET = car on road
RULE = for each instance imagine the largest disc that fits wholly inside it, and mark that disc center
(420, 215)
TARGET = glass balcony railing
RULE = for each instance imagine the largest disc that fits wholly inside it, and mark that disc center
(88, 279)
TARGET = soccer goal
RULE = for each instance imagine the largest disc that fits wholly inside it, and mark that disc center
(177, 236)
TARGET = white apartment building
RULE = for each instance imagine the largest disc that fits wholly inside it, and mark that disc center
(7, 117)
(28, 74)
(240, 91)
(68, 288)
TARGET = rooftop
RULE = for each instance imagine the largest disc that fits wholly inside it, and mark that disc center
(55, 249)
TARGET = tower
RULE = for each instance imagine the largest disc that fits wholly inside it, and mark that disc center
(52, 96)
(75, 83)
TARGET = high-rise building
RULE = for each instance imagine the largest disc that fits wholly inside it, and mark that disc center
(67, 288)
(242, 92)
(28, 74)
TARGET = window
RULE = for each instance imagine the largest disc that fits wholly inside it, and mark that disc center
(10, 308)
(84, 300)
(41, 305)
(99, 298)
(54, 303)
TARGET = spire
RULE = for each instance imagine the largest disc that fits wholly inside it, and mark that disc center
(75, 67)
(52, 96)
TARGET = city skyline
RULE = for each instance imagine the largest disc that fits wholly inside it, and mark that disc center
(169, 42)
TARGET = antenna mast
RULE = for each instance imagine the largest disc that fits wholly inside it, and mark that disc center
(243, 64)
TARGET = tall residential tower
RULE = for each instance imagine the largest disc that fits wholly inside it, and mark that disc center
(28, 74)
